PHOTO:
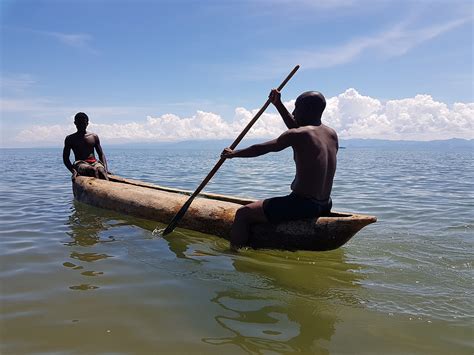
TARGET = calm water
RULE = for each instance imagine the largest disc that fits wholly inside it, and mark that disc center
(77, 279)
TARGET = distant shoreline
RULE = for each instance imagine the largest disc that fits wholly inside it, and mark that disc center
(453, 143)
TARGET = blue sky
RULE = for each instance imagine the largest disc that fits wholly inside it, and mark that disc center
(144, 65)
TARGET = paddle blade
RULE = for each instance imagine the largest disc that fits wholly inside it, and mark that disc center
(177, 218)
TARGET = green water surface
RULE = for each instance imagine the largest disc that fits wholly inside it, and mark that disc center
(80, 280)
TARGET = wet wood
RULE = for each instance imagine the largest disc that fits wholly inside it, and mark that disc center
(214, 214)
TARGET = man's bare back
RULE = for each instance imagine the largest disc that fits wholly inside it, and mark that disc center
(314, 152)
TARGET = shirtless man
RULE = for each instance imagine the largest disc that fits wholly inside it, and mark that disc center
(314, 149)
(83, 144)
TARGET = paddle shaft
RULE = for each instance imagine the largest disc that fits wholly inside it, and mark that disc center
(209, 176)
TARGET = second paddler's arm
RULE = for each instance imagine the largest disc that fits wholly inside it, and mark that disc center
(275, 98)
(275, 145)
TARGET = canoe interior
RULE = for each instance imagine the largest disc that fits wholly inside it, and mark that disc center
(211, 196)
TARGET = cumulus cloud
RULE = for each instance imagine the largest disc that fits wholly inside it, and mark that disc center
(45, 134)
(352, 114)
(419, 118)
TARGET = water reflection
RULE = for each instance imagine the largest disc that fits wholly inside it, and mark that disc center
(295, 304)
(86, 226)
(85, 231)
(262, 301)
(254, 323)
(298, 310)
(179, 246)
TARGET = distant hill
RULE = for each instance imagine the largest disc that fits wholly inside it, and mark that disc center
(219, 144)
(191, 144)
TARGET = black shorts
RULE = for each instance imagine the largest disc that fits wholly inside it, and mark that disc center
(293, 206)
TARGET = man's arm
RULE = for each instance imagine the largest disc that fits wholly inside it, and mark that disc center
(100, 153)
(275, 98)
(275, 145)
(66, 153)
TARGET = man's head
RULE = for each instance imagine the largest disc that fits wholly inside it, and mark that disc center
(81, 120)
(309, 107)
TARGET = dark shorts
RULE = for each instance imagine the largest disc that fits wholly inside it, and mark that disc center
(84, 168)
(293, 206)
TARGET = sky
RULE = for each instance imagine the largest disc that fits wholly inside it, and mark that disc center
(153, 71)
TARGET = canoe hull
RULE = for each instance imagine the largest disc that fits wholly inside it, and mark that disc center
(214, 214)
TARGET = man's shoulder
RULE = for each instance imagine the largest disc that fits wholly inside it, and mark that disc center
(303, 130)
(313, 134)
(321, 130)
(92, 135)
(292, 133)
(298, 130)
(331, 132)
(293, 136)
(70, 137)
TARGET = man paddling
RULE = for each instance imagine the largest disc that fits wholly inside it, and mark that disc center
(83, 144)
(314, 149)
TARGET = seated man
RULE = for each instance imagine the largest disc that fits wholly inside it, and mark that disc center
(314, 149)
(83, 144)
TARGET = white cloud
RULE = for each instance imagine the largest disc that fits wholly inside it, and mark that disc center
(417, 118)
(393, 42)
(40, 108)
(26, 105)
(16, 84)
(77, 40)
(350, 113)
(45, 134)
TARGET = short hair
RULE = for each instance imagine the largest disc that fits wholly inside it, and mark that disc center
(311, 102)
(81, 116)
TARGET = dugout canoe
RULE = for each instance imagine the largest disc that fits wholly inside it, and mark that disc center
(214, 214)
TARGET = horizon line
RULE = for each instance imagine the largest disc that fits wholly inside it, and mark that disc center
(137, 143)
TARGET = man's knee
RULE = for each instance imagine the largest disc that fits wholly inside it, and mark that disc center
(251, 213)
(85, 170)
(95, 172)
(243, 213)
(102, 174)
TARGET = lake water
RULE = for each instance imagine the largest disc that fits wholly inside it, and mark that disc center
(77, 279)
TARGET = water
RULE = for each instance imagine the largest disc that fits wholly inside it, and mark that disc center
(77, 279)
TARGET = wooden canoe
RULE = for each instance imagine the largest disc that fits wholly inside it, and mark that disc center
(214, 214)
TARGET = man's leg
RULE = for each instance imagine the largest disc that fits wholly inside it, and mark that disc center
(101, 173)
(85, 169)
(244, 217)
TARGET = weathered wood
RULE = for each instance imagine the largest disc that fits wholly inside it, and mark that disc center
(214, 214)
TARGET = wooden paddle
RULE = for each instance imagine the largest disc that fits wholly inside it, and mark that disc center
(185, 207)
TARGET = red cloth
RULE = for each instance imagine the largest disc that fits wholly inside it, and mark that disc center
(90, 160)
